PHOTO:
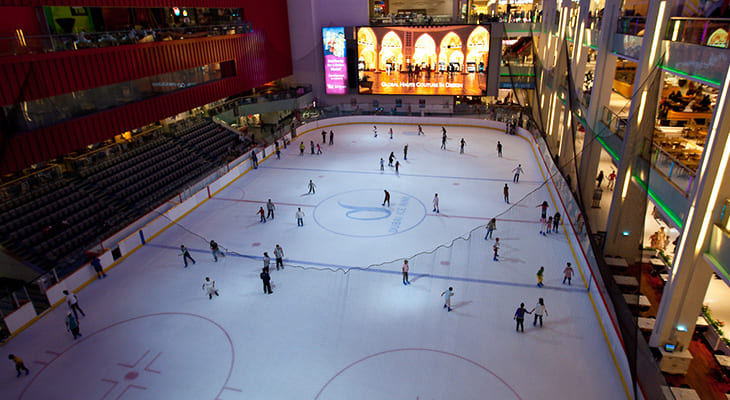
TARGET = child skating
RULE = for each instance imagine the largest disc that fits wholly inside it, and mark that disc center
(436, 203)
(539, 311)
(447, 294)
(540, 274)
(19, 365)
(520, 318)
(262, 214)
(382, 164)
(496, 249)
(209, 288)
(568, 274)
(387, 198)
(545, 226)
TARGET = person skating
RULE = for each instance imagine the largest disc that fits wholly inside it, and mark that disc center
(461, 147)
(539, 310)
(382, 164)
(279, 256)
(420, 131)
(387, 198)
(19, 366)
(278, 153)
(436, 203)
(568, 274)
(332, 138)
(72, 325)
(209, 288)
(391, 157)
(506, 193)
(375, 131)
(405, 152)
(262, 214)
(540, 274)
(391, 133)
(270, 207)
(254, 160)
(96, 264)
(517, 171)
(520, 317)
(73, 303)
(545, 226)
(324, 137)
(499, 149)
(301, 148)
(319, 150)
(311, 146)
(267, 261)
(543, 210)
(311, 187)
(300, 217)
(405, 273)
(397, 166)
(443, 138)
(185, 255)
(491, 226)
(556, 222)
(266, 279)
(447, 295)
(215, 250)
(496, 250)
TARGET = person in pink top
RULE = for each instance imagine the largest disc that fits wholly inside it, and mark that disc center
(405, 273)
(568, 274)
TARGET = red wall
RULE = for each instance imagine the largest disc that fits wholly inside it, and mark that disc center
(259, 57)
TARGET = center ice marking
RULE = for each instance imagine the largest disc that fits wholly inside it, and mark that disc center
(360, 213)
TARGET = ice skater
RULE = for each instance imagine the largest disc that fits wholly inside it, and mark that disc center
(543, 210)
(382, 164)
(332, 138)
(215, 250)
(545, 226)
(387, 198)
(556, 222)
(420, 131)
(300, 217)
(72, 325)
(496, 250)
(209, 288)
(405, 152)
(506, 193)
(491, 226)
(405, 273)
(254, 160)
(301, 149)
(391, 133)
(375, 131)
(461, 147)
(319, 149)
(266, 279)
(267, 261)
(436, 203)
(539, 310)
(540, 274)
(73, 303)
(96, 263)
(391, 157)
(443, 138)
(278, 153)
(262, 214)
(580, 222)
(185, 255)
(517, 171)
(397, 166)
(311, 187)
(447, 294)
(270, 207)
(311, 146)
(499, 149)
(568, 274)
(279, 256)
(19, 366)
(324, 137)
(520, 318)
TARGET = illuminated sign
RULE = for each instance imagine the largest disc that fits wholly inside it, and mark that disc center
(335, 60)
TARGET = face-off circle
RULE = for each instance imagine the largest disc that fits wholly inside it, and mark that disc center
(359, 213)
(416, 373)
(154, 356)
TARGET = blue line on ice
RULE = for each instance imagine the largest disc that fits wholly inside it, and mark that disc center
(394, 272)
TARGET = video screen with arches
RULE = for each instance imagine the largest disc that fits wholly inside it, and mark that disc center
(422, 60)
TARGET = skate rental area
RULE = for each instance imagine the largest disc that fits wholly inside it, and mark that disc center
(342, 321)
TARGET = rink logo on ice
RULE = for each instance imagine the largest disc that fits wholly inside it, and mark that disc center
(360, 213)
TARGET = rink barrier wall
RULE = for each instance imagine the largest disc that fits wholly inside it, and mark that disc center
(596, 288)
(164, 219)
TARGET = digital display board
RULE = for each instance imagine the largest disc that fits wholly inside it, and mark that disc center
(335, 60)
(422, 60)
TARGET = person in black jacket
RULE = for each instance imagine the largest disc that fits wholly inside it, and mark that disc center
(266, 278)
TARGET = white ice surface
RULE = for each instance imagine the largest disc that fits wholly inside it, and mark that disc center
(151, 333)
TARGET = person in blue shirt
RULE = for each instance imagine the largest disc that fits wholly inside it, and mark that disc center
(520, 318)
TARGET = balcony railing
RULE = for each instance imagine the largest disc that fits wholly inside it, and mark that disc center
(676, 172)
(711, 32)
(20, 45)
(614, 123)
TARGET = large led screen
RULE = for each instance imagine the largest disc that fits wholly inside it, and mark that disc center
(433, 60)
(335, 60)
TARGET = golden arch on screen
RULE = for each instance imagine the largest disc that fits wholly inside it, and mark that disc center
(451, 50)
(366, 42)
(478, 46)
(391, 53)
(425, 51)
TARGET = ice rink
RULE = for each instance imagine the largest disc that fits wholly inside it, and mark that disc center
(340, 323)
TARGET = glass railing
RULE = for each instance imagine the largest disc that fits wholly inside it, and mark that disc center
(711, 32)
(11, 46)
(631, 25)
(672, 169)
(614, 123)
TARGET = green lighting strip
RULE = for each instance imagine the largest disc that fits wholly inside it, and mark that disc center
(719, 267)
(608, 148)
(697, 77)
(516, 74)
(660, 203)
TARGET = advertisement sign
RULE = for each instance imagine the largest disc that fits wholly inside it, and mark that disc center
(423, 60)
(335, 60)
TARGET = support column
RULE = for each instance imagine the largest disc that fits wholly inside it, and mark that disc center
(684, 293)
(624, 233)
(580, 54)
